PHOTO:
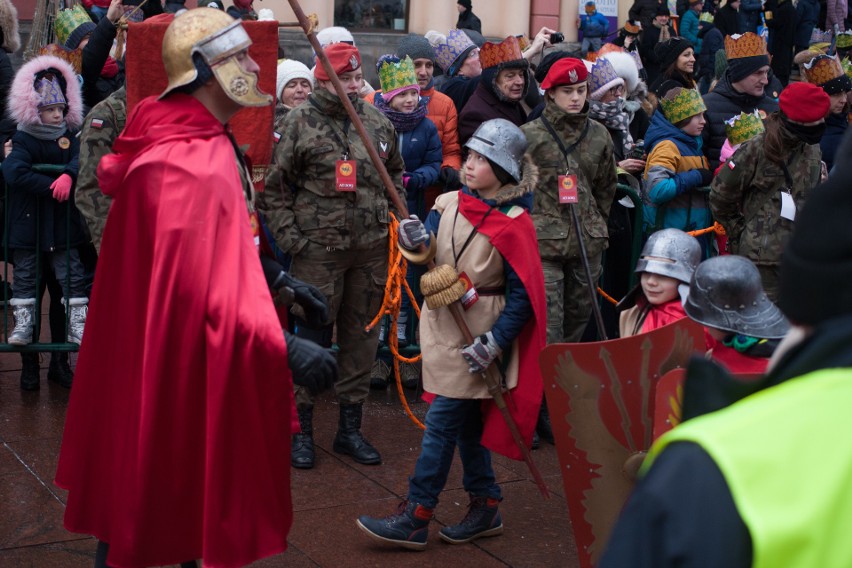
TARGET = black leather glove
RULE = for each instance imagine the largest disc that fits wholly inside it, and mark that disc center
(450, 178)
(311, 300)
(706, 176)
(312, 366)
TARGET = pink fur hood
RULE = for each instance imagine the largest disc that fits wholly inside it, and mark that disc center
(23, 98)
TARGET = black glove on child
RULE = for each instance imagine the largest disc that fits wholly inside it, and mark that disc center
(311, 300)
(706, 176)
(312, 366)
(450, 178)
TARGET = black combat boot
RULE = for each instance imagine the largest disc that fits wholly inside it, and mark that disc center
(349, 439)
(30, 372)
(302, 446)
(59, 370)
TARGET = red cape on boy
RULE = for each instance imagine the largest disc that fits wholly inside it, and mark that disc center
(177, 434)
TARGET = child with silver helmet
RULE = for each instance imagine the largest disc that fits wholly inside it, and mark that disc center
(742, 325)
(666, 265)
(485, 235)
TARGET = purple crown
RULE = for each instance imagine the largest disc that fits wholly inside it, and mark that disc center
(447, 53)
(50, 93)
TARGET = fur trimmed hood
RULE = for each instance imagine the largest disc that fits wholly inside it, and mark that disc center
(24, 99)
(9, 26)
(514, 191)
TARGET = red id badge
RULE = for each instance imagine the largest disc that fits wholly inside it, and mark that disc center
(344, 175)
(470, 296)
(568, 189)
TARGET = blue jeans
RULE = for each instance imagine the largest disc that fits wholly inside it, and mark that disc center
(452, 422)
(590, 44)
(66, 265)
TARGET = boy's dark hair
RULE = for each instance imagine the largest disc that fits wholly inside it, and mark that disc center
(205, 73)
(504, 177)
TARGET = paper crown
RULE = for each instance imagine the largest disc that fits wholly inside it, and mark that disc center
(847, 66)
(447, 52)
(69, 20)
(742, 127)
(844, 40)
(822, 69)
(49, 92)
(637, 59)
(395, 75)
(680, 104)
(748, 44)
(493, 54)
(819, 36)
(706, 17)
(74, 57)
(602, 77)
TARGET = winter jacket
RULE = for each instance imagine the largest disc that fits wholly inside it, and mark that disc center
(689, 29)
(459, 89)
(421, 152)
(595, 25)
(727, 21)
(671, 187)
(712, 41)
(485, 105)
(97, 87)
(650, 38)
(7, 74)
(835, 14)
(468, 21)
(31, 198)
(835, 128)
(807, 18)
(593, 164)
(746, 196)
(643, 10)
(724, 102)
(782, 32)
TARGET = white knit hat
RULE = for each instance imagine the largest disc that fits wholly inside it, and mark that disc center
(289, 69)
(334, 34)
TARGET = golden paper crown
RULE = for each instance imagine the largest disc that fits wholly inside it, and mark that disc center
(742, 127)
(395, 75)
(680, 104)
(493, 54)
(822, 69)
(748, 44)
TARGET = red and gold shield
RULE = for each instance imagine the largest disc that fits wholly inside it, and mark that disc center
(601, 398)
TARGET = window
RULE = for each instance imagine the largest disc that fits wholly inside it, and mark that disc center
(371, 14)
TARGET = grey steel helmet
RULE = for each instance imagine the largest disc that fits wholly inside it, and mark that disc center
(501, 142)
(726, 293)
(670, 252)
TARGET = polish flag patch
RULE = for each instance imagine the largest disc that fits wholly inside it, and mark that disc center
(277, 137)
(97, 123)
(731, 164)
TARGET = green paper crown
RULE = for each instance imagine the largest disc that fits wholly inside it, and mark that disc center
(395, 76)
(742, 127)
(844, 40)
(847, 67)
(706, 17)
(69, 20)
(680, 104)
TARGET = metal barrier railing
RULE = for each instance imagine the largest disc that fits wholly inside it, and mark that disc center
(51, 170)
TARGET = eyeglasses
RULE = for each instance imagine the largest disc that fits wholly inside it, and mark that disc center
(618, 90)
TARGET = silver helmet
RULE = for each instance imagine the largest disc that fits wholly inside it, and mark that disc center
(726, 293)
(670, 252)
(501, 142)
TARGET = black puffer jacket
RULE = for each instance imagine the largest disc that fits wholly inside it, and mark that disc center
(96, 87)
(723, 102)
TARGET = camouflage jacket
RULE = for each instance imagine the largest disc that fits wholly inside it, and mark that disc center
(102, 126)
(745, 196)
(300, 202)
(591, 161)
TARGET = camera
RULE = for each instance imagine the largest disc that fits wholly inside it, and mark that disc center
(557, 37)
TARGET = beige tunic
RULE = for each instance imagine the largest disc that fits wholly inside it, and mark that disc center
(444, 369)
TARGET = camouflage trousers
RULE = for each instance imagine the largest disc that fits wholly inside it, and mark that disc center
(353, 281)
(569, 304)
(769, 276)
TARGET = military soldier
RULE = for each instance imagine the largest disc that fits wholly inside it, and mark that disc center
(574, 156)
(102, 126)
(326, 206)
(760, 188)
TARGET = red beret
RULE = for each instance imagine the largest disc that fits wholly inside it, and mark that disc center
(566, 71)
(804, 102)
(343, 58)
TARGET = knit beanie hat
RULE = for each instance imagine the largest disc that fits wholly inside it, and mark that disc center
(668, 51)
(72, 25)
(547, 62)
(396, 76)
(343, 58)
(680, 104)
(746, 54)
(816, 267)
(416, 47)
(452, 50)
(567, 71)
(334, 34)
(804, 102)
(288, 70)
(602, 78)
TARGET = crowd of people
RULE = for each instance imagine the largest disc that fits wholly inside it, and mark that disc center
(524, 169)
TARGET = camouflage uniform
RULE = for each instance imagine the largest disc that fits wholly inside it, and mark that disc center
(569, 303)
(338, 240)
(745, 198)
(102, 126)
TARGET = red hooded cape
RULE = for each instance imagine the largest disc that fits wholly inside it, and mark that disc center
(516, 241)
(176, 439)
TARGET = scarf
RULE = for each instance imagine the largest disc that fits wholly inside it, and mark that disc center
(402, 121)
(613, 116)
(665, 35)
(110, 69)
(44, 131)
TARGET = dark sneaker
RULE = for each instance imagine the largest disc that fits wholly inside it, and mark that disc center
(482, 519)
(408, 528)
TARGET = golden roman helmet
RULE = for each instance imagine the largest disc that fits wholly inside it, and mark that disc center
(218, 38)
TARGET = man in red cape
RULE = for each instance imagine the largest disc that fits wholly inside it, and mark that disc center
(175, 445)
